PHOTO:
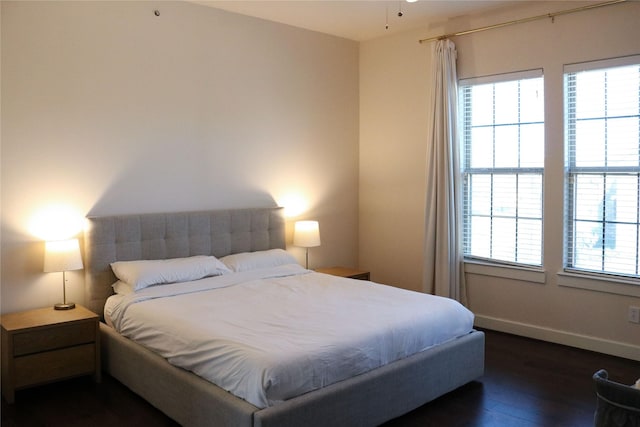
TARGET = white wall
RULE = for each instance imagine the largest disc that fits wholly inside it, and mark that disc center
(107, 108)
(394, 82)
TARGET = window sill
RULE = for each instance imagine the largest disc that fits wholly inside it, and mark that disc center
(522, 274)
(598, 284)
(568, 279)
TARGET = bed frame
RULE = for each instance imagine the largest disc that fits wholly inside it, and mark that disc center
(365, 400)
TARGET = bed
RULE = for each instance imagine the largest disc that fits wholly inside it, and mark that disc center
(369, 398)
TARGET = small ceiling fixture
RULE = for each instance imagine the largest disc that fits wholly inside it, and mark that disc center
(400, 12)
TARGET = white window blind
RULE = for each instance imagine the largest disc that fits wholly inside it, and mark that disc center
(502, 123)
(602, 178)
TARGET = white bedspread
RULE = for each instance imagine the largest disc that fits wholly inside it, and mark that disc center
(269, 335)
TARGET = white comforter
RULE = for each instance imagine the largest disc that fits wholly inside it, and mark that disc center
(269, 335)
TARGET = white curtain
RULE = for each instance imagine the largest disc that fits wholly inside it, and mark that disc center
(444, 274)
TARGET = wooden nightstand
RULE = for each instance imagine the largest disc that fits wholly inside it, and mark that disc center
(45, 345)
(346, 272)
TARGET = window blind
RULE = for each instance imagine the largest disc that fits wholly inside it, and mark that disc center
(602, 178)
(502, 166)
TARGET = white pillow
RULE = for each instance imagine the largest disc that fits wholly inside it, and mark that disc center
(261, 259)
(143, 273)
(122, 288)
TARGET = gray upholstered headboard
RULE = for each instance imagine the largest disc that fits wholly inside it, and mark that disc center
(172, 235)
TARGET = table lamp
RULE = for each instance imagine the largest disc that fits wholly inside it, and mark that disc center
(306, 234)
(62, 256)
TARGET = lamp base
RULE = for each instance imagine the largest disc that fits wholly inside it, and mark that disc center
(64, 306)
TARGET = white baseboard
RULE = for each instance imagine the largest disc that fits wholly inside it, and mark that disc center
(584, 342)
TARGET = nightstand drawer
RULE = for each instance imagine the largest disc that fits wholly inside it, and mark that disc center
(53, 365)
(45, 339)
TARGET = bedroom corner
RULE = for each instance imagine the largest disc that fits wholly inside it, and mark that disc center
(392, 175)
(113, 109)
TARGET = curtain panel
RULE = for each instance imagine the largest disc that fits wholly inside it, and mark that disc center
(444, 267)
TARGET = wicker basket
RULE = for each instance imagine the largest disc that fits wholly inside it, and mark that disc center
(618, 404)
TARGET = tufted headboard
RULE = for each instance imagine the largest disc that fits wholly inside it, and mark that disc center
(172, 235)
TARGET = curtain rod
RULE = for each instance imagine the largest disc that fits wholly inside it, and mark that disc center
(523, 20)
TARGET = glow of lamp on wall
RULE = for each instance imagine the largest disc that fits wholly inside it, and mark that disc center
(293, 204)
(306, 234)
(56, 222)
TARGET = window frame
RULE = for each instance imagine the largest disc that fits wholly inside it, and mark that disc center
(572, 276)
(495, 266)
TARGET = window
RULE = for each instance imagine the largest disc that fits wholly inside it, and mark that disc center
(502, 123)
(602, 176)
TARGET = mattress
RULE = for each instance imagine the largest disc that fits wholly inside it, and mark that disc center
(271, 334)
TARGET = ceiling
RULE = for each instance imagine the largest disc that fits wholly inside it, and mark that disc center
(358, 20)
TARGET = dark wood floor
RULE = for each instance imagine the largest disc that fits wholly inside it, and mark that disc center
(527, 383)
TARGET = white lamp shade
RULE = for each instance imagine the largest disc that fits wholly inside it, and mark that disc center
(62, 255)
(306, 234)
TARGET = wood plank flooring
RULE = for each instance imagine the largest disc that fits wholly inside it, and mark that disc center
(527, 383)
